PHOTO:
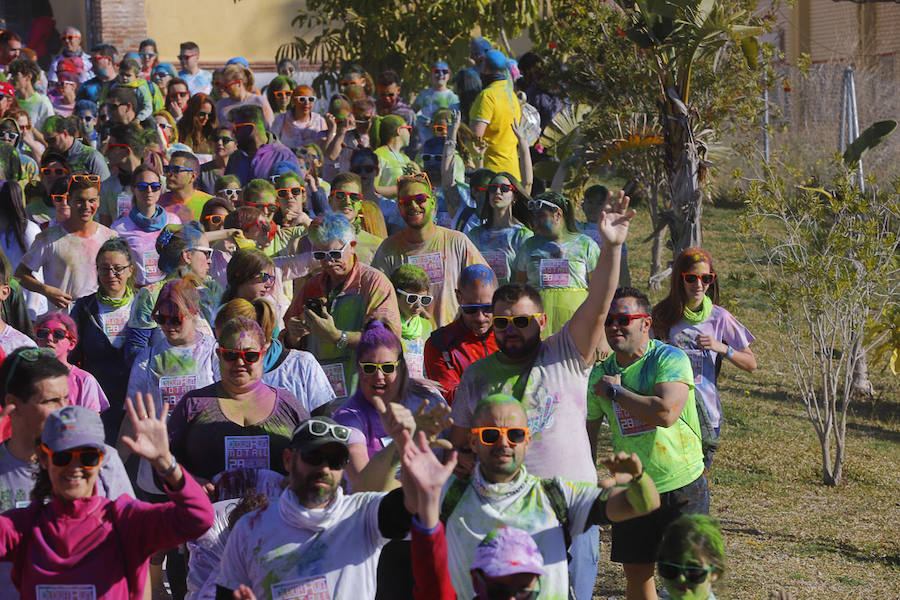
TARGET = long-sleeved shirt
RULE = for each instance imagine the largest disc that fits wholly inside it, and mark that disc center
(98, 543)
(429, 563)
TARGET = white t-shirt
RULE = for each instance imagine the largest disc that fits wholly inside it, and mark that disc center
(68, 259)
(114, 322)
(10, 243)
(301, 374)
(521, 503)
(286, 549)
(11, 339)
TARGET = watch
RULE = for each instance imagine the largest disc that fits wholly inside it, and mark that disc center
(341, 344)
(730, 352)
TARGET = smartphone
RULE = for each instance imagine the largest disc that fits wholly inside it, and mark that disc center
(315, 305)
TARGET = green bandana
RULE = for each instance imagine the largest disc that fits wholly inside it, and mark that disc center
(116, 302)
(414, 328)
(695, 318)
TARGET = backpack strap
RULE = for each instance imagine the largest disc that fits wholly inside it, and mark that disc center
(452, 497)
(438, 339)
(560, 509)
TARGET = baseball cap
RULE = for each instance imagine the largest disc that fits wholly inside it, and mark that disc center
(316, 432)
(282, 167)
(73, 427)
(7, 89)
(495, 60)
(239, 60)
(508, 551)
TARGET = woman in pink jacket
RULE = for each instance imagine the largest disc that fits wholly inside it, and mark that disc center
(80, 545)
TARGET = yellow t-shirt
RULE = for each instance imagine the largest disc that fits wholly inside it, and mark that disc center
(498, 106)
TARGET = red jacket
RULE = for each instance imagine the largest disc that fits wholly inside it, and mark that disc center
(451, 349)
(429, 564)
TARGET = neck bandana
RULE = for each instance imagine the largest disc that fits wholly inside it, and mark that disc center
(154, 223)
(695, 318)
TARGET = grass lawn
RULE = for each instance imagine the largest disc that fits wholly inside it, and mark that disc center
(783, 528)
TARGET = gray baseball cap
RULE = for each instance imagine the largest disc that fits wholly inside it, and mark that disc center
(73, 427)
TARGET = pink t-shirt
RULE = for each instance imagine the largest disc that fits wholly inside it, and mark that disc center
(143, 246)
(85, 391)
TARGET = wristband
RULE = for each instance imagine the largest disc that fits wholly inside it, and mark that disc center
(640, 493)
(170, 470)
(342, 343)
(730, 352)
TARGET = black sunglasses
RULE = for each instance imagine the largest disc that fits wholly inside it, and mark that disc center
(705, 278)
(503, 187)
(88, 457)
(335, 462)
(143, 186)
(471, 309)
(692, 574)
(44, 333)
(364, 169)
(431, 157)
(249, 356)
(173, 320)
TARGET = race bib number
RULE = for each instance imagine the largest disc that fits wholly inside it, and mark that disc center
(432, 263)
(172, 388)
(335, 374)
(554, 272)
(123, 204)
(629, 425)
(697, 358)
(312, 588)
(151, 263)
(65, 592)
(246, 452)
(496, 260)
(114, 324)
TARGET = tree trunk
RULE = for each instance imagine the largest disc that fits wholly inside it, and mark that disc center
(682, 160)
(658, 238)
(827, 469)
(861, 385)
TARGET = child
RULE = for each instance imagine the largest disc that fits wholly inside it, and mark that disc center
(691, 557)
(58, 332)
(128, 76)
(411, 284)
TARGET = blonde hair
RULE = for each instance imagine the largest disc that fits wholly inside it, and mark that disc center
(236, 71)
(260, 310)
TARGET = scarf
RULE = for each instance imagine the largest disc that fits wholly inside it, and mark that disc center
(498, 491)
(116, 302)
(272, 355)
(154, 223)
(413, 328)
(316, 519)
(695, 318)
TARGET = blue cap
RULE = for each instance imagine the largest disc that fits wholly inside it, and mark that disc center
(73, 427)
(133, 56)
(479, 46)
(282, 167)
(238, 60)
(495, 60)
(440, 65)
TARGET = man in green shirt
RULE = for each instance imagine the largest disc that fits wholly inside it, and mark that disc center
(645, 389)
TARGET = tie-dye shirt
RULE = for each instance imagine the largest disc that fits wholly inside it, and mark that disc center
(520, 503)
(722, 326)
(143, 247)
(672, 456)
(331, 553)
(68, 259)
(564, 263)
(554, 402)
(187, 211)
(443, 258)
(207, 442)
(12, 339)
(499, 247)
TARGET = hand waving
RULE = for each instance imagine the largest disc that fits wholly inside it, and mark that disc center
(614, 220)
(423, 468)
(432, 422)
(395, 419)
(149, 438)
(622, 468)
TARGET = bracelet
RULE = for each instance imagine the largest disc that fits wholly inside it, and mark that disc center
(730, 352)
(170, 470)
(450, 142)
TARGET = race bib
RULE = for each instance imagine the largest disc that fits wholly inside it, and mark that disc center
(123, 204)
(312, 588)
(432, 263)
(65, 592)
(496, 260)
(246, 452)
(554, 272)
(697, 358)
(172, 388)
(151, 263)
(114, 324)
(335, 374)
(629, 425)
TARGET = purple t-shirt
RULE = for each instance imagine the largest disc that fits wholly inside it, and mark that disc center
(143, 247)
(360, 416)
(207, 442)
(722, 326)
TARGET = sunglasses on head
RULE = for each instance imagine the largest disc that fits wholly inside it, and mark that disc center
(171, 320)
(364, 169)
(89, 458)
(230, 355)
(224, 139)
(386, 368)
(215, 220)
(491, 435)
(692, 573)
(705, 278)
(432, 157)
(422, 299)
(264, 206)
(622, 319)
(346, 196)
(285, 193)
(330, 254)
(44, 333)
(315, 458)
(143, 186)
(321, 428)
(471, 309)
(229, 192)
(520, 321)
(89, 177)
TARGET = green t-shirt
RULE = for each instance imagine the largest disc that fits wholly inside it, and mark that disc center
(672, 456)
